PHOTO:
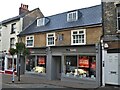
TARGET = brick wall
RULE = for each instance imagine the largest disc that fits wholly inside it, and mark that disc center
(93, 35)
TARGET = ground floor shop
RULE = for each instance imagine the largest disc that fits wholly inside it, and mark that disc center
(80, 64)
(6, 63)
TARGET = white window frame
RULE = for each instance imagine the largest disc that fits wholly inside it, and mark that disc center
(72, 16)
(29, 38)
(118, 17)
(47, 36)
(84, 33)
(41, 22)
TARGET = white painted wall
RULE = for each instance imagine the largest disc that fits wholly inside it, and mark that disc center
(5, 39)
(0, 41)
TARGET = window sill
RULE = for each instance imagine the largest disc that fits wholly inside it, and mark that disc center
(78, 43)
(12, 33)
(118, 31)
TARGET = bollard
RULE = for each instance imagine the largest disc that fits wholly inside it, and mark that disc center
(13, 78)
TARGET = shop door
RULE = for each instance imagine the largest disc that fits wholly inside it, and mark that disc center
(57, 67)
(111, 69)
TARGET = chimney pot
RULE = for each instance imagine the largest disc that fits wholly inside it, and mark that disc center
(23, 9)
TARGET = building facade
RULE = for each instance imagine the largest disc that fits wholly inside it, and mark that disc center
(66, 46)
(111, 43)
(10, 28)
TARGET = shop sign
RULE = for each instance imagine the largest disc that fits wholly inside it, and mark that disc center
(84, 62)
(71, 50)
(41, 60)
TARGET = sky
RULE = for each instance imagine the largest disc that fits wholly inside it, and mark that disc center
(10, 8)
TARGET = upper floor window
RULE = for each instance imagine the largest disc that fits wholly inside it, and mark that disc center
(13, 28)
(118, 18)
(30, 41)
(0, 31)
(41, 22)
(78, 37)
(72, 16)
(12, 42)
(50, 39)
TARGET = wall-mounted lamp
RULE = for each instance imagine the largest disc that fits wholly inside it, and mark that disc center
(106, 46)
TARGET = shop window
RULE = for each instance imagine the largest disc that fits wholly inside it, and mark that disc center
(71, 65)
(78, 37)
(30, 63)
(37, 66)
(83, 66)
(0, 64)
(9, 67)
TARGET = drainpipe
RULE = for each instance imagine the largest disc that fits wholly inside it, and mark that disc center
(102, 47)
(103, 63)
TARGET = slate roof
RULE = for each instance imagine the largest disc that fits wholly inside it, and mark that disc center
(16, 17)
(87, 16)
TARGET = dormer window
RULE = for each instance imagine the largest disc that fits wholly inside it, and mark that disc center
(41, 22)
(72, 16)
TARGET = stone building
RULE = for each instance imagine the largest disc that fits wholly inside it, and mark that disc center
(111, 42)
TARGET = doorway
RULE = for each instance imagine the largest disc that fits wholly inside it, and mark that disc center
(57, 67)
(111, 69)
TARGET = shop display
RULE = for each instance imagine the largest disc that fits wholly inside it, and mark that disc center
(39, 69)
(84, 67)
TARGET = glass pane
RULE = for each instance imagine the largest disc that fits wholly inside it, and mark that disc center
(71, 65)
(118, 23)
(75, 32)
(73, 36)
(80, 32)
(118, 10)
(50, 35)
(74, 41)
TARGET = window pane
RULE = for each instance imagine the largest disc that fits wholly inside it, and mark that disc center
(13, 27)
(75, 32)
(87, 66)
(118, 23)
(29, 42)
(78, 37)
(71, 65)
(50, 39)
(80, 32)
(50, 35)
(118, 10)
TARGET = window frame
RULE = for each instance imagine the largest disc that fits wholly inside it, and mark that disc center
(70, 16)
(118, 19)
(29, 40)
(47, 39)
(12, 42)
(13, 28)
(84, 33)
(41, 22)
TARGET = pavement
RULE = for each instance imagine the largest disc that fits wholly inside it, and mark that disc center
(33, 80)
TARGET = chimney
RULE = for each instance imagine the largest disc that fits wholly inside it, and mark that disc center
(23, 9)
